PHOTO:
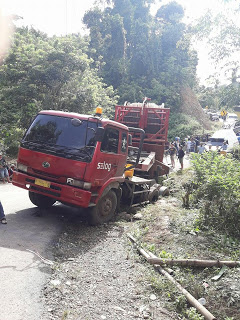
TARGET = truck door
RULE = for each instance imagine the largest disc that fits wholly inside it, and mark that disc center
(111, 158)
(110, 149)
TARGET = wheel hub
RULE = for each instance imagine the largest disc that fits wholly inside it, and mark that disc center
(106, 207)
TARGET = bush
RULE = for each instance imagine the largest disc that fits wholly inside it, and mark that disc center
(10, 141)
(217, 184)
(236, 152)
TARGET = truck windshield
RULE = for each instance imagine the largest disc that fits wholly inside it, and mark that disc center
(65, 137)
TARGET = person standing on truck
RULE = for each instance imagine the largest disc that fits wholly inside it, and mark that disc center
(3, 219)
(172, 152)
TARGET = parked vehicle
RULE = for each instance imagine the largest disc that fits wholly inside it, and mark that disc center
(221, 136)
(214, 117)
(232, 117)
(89, 161)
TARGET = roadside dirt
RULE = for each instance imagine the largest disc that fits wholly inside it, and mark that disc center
(98, 276)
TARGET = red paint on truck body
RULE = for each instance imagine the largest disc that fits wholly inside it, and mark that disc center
(55, 170)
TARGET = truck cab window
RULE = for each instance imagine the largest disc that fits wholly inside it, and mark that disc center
(110, 141)
(124, 142)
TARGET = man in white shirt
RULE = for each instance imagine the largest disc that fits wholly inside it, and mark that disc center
(201, 148)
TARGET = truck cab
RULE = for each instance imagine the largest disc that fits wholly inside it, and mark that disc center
(71, 158)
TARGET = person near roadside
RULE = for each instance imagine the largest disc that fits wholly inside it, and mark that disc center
(184, 144)
(4, 170)
(181, 154)
(177, 143)
(210, 147)
(172, 152)
(188, 145)
(3, 219)
(197, 143)
(192, 145)
(224, 146)
(201, 148)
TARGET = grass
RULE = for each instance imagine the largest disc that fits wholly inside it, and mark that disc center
(170, 231)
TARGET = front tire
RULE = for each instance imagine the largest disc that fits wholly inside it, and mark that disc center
(41, 201)
(104, 210)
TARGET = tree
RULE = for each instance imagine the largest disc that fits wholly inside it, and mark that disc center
(142, 54)
(48, 73)
(221, 34)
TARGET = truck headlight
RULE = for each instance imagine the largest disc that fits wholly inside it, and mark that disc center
(78, 183)
(22, 167)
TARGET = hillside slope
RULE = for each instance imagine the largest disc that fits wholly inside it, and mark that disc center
(190, 106)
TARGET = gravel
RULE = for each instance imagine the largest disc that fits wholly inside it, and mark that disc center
(97, 276)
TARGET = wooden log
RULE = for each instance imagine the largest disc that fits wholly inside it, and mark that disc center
(193, 262)
(148, 255)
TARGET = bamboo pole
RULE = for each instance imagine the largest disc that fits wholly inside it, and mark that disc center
(193, 262)
(147, 255)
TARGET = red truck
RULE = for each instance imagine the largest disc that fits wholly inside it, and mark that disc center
(85, 161)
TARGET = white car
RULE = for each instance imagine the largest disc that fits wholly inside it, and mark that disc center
(232, 117)
(217, 139)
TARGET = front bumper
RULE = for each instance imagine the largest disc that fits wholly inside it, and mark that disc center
(63, 193)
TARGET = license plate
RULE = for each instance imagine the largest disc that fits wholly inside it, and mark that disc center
(42, 183)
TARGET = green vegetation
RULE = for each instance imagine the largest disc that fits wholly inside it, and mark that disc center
(129, 54)
(47, 73)
(217, 183)
(208, 229)
(143, 55)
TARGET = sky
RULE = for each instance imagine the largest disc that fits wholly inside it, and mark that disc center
(64, 16)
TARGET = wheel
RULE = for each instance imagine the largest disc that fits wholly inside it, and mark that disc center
(153, 195)
(41, 201)
(104, 210)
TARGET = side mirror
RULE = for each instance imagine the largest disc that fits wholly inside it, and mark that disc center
(99, 134)
(129, 139)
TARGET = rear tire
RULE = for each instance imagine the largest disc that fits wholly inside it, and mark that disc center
(40, 200)
(104, 210)
(153, 196)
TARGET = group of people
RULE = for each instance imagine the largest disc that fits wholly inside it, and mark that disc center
(194, 144)
(176, 149)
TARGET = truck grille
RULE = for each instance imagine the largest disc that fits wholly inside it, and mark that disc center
(55, 194)
(47, 191)
(45, 174)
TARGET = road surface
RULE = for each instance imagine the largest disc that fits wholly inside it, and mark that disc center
(23, 273)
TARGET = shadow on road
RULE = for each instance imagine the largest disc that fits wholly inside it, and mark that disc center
(39, 230)
(32, 228)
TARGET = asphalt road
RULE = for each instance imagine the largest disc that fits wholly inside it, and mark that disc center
(23, 274)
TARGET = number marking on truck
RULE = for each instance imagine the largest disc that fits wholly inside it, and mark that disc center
(104, 166)
(42, 183)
